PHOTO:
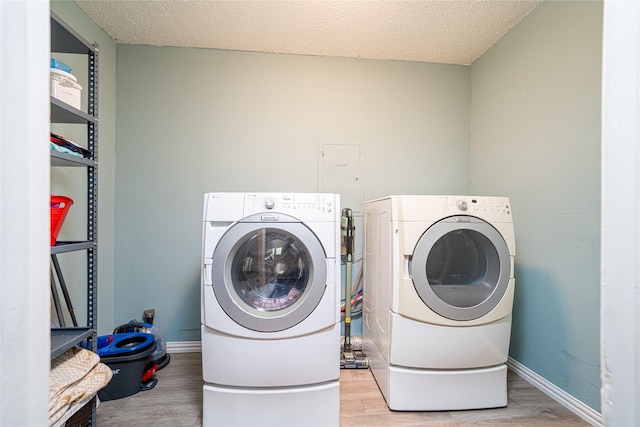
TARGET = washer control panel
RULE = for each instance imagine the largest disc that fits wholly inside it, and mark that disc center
(299, 205)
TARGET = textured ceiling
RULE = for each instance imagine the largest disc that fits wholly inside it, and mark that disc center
(442, 31)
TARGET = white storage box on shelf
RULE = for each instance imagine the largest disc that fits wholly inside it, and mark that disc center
(65, 87)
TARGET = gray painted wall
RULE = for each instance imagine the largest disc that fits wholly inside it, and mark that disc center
(192, 121)
(536, 138)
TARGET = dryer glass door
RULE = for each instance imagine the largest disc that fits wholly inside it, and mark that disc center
(461, 267)
(269, 277)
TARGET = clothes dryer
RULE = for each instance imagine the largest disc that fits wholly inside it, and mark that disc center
(271, 309)
(438, 295)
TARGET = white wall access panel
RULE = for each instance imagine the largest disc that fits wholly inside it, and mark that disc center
(340, 171)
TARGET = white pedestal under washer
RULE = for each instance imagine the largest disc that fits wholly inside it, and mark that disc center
(438, 295)
(271, 308)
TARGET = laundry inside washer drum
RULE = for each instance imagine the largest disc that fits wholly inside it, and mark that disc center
(271, 272)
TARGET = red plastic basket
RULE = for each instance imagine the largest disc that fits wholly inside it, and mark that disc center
(59, 207)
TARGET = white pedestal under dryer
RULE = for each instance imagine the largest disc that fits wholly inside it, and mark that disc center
(438, 297)
(271, 309)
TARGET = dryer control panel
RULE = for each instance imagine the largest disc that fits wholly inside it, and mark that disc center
(410, 208)
(486, 205)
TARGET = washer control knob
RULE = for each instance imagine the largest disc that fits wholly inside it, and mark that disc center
(462, 205)
(269, 203)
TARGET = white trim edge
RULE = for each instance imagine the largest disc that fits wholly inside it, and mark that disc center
(184, 347)
(556, 393)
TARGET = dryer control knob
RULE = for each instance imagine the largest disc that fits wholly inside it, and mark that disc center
(462, 205)
(269, 203)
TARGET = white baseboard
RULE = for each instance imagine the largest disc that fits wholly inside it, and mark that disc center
(556, 393)
(184, 347)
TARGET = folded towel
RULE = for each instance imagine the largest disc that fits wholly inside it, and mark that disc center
(75, 375)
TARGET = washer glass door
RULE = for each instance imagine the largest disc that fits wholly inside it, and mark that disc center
(269, 276)
(461, 267)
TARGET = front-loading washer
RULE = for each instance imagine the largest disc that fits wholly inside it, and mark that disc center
(438, 295)
(271, 309)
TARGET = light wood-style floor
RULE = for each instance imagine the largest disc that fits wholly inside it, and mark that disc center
(177, 401)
